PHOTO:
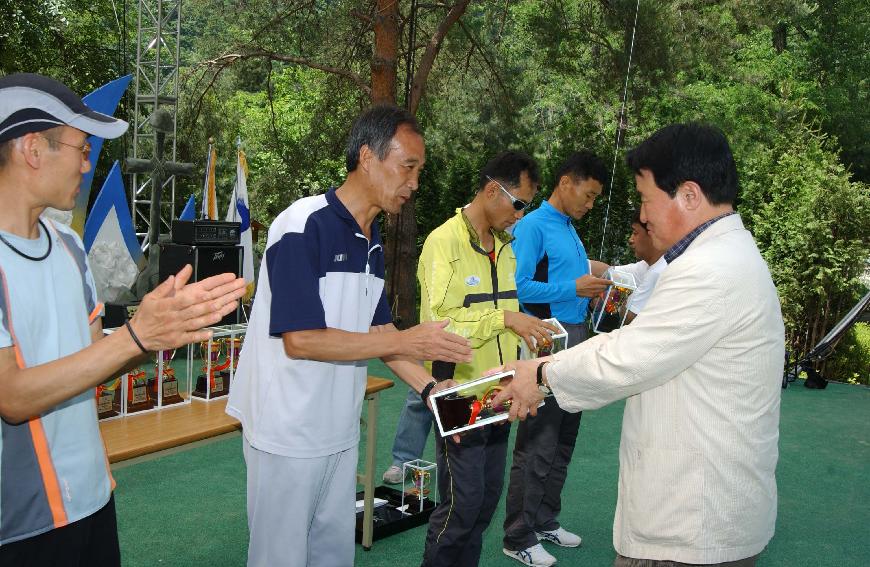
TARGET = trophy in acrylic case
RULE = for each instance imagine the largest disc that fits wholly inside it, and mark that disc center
(109, 399)
(168, 382)
(470, 405)
(138, 396)
(214, 378)
(612, 307)
(234, 348)
(416, 486)
(558, 341)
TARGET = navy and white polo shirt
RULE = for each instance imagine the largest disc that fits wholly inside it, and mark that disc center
(319, 271)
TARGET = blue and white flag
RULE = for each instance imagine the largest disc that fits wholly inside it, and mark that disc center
(240, 211)
(105, 99)
(110, 240)
(189, 211)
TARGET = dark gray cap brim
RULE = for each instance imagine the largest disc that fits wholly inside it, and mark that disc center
(26, 109)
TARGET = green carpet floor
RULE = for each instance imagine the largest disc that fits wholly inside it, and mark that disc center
(188, 508)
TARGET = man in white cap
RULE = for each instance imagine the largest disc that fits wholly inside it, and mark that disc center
(56, 506)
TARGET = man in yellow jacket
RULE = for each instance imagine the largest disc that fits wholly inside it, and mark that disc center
(466, 274)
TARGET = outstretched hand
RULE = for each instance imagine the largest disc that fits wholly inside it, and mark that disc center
(429, 341)
(175, 312)
(590, 286)
(531, 329)
(522, 388)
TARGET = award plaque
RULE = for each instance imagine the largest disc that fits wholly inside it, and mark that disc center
(469, 405)
(213, 378)
(138, 396)
(109, 399)
(558, 341)
(167, 382)
(612, 307)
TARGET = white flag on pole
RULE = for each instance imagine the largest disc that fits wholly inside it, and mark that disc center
(239, 211)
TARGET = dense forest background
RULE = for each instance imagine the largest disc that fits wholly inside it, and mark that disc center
(787, 80)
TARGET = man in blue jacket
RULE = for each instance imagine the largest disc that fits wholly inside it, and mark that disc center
(553, 280)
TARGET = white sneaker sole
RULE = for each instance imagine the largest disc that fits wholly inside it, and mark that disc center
(510, 554)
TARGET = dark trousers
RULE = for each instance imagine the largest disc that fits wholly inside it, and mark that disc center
(470, 480)
(542, 453)
(622, 561)
(89, 542)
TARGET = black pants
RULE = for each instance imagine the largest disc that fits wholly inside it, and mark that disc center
(542, 453)
(470, 481)
(89, 542)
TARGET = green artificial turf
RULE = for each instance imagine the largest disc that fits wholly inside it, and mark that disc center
(188, 508)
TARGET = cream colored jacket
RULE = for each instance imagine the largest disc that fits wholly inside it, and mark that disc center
(701, 368)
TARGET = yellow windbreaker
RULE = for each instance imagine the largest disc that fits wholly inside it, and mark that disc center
(459, 282)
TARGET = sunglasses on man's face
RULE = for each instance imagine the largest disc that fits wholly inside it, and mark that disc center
(519, 204)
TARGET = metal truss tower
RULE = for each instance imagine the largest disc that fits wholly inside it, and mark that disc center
(158, 39)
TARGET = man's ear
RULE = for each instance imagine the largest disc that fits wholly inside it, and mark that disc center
(29, 148)
(691, 196)
(366, 155)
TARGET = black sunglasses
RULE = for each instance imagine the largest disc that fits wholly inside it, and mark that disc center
(519, 204)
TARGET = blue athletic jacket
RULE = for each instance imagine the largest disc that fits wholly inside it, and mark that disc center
(550, 257)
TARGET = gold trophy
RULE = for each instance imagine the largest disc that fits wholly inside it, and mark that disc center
(138, 397)
(109, 398)
(167, 382)
(457, 410)
(216, 380)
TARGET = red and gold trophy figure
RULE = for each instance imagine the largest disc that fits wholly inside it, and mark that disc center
(457, 411)
(167, 381)
(610, 309)
(138, 397)
(109, 398)
(213, 367)
(415, 497)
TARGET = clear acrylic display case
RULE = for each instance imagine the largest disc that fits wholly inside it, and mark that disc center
(558, 341)
(418, 478)
(612, 307)
(217, 360)
(469, 405)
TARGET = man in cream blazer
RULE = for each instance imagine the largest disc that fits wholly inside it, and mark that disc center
(700, 369)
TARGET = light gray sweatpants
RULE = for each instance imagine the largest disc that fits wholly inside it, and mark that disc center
(301, 512)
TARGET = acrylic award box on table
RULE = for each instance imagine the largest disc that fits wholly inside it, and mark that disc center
(140, 389)
(558, 341)
(397, 511)
(220, 357)
(612, 307)
(469, 405)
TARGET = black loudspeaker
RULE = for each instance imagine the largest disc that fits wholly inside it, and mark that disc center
(206, 261)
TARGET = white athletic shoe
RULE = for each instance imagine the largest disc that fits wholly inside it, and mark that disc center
(560, 536)
(535, 556)
(393, 475)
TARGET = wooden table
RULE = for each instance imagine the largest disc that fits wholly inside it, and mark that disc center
(140, 434)
(367, 478)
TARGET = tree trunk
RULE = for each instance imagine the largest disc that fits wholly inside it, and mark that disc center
(386, 53)
(401, 228)
(401, 258)
(401, 237)
(780, 37)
